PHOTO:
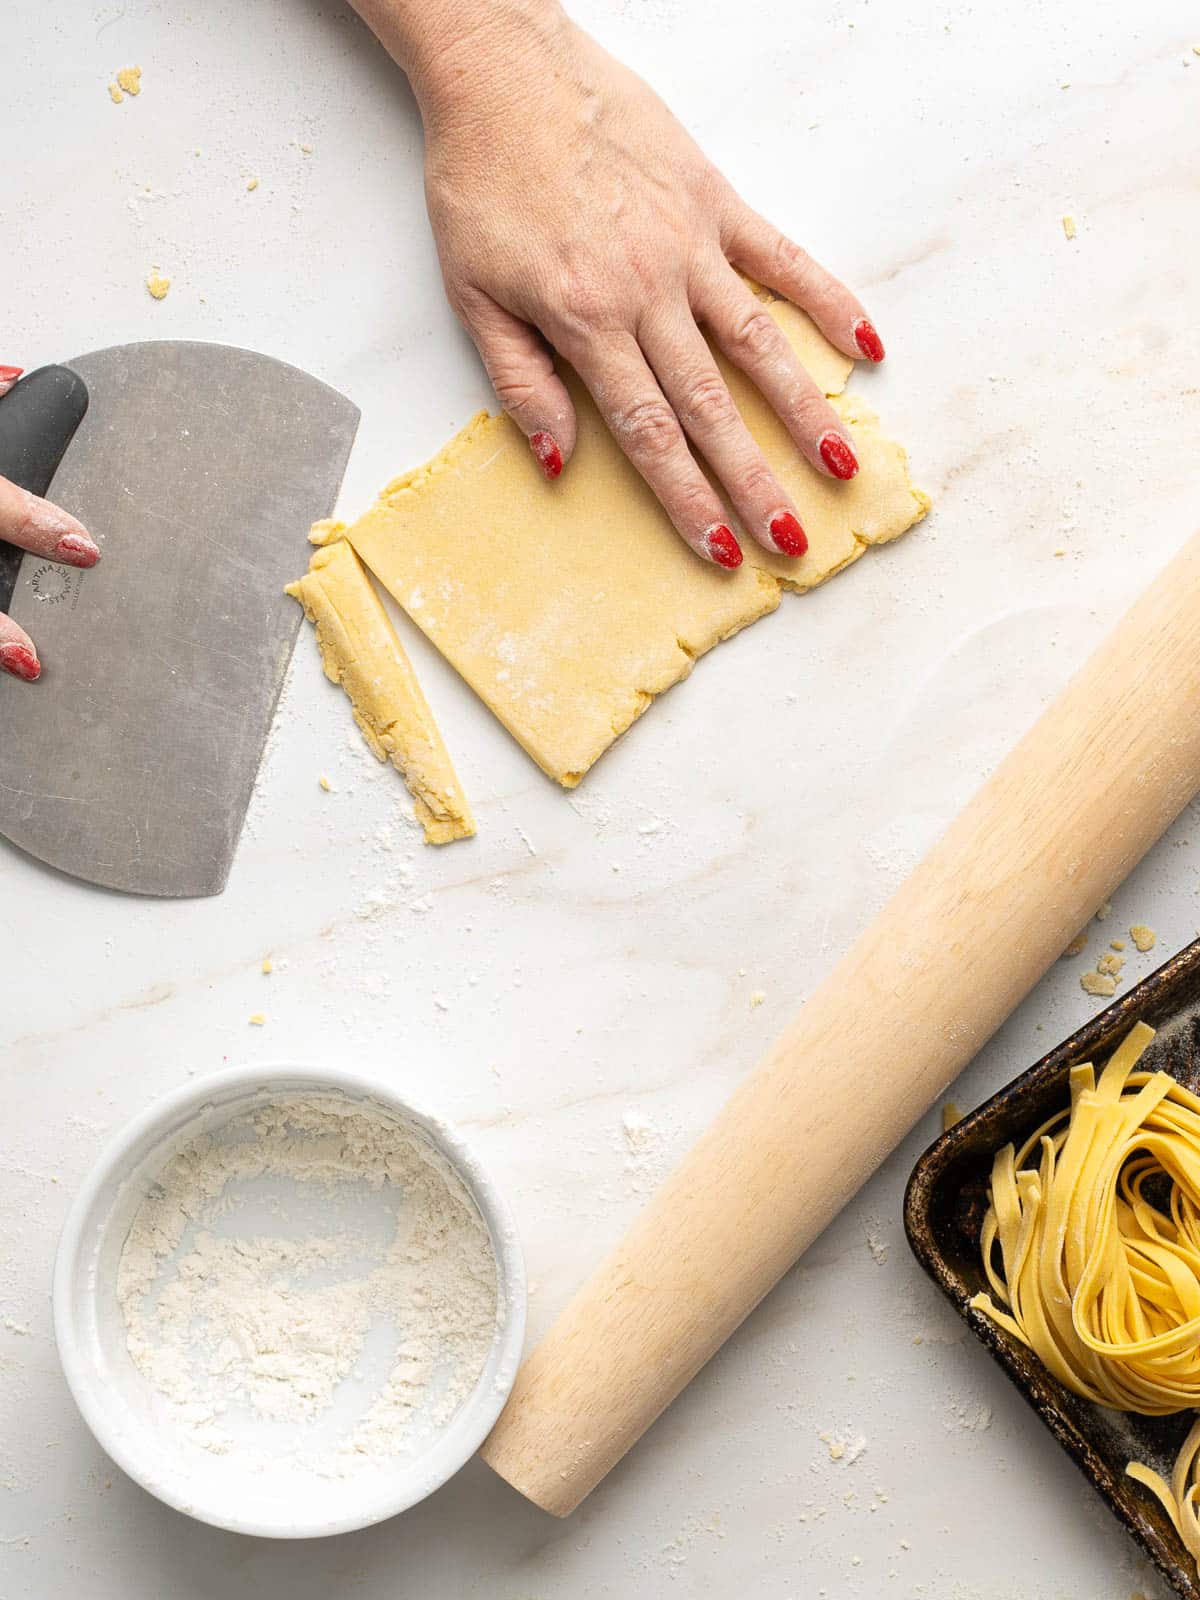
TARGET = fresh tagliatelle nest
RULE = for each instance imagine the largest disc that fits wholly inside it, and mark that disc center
(1091, 1245)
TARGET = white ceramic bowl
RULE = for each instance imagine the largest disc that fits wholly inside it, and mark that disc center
(277, 1500)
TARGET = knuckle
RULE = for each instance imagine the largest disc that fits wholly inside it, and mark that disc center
(791, 260)
(647, 427)
(694, 506)
(755, 334)
(758, 482)
(709, 402)
(811, 413)
(515, 394)
(582, 306)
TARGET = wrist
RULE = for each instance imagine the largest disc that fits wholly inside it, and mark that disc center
(458, 48)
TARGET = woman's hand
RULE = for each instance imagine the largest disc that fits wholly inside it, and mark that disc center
(573, 212)
(41, 527)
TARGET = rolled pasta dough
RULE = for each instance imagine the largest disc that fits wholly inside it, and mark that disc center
(569, 606)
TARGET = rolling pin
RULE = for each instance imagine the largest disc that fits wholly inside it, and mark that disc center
(1040, 847)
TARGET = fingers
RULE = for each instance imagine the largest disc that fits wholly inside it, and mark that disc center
(647, 429)
(44, 529)
(17, 654)
(748, 334)
(522, 373)
(694, 386)
(767, 255)
(8, 376)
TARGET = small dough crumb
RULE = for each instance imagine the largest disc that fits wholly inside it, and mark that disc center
(268, 967)
(1069, 226)
(157, 285)
(257, 1019)
(1098, 983)
(1077, 945)
(114, 93)
(951, 1115)
(306, 149)
(1143, 937)
(1104, 912)
(325, 784)
(757, 996)
(1117, 944)
(251, 183)
(130, 79)
(1111, 964)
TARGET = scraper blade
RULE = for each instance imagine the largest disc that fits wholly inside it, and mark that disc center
(198, 469)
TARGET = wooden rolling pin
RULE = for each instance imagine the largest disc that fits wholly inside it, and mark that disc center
(1041, 846)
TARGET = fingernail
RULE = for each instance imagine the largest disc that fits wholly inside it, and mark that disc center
(867, 340)
(20, 660)
(77, 550)
(837, 455)
(790, 538)
(10, 374)
(546, 453)
(722, 546)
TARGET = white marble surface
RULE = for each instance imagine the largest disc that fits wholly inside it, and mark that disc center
(593, 955)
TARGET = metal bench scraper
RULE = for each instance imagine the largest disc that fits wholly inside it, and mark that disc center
(197, 468)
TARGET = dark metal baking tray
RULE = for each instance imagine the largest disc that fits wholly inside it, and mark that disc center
(943, 1212)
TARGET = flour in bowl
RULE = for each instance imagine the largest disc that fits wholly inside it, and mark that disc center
(277, 1263)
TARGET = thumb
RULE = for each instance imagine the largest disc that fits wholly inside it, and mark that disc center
(521, 368)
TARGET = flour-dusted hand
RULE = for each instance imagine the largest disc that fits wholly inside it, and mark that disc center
(573, 213)
(35, 525)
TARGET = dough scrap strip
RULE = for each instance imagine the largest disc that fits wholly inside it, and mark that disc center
(361, 652)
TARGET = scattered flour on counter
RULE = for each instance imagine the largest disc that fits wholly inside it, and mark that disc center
(970, 1415)
(674, 1555)
(876, 1244)
(231, 1323)
(847, 1450)
(645, 1153)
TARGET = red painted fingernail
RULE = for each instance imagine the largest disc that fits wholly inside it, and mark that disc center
(548, 455)
(20, 660)
(77, 550)
(722, 546)
(837, 455)
(867, 340)
(10, 374)
(788, 535)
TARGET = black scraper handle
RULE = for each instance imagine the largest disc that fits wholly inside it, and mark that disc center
(38, 419)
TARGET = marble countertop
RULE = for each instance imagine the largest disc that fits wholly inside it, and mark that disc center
(591, 957)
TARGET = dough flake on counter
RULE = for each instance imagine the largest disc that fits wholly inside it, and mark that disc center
(361, 652)
(568, 606)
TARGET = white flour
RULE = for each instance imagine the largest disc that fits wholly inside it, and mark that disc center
(371, 1234)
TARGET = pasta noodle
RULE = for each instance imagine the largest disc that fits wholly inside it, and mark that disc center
(1091, 1245)
(1178, 1497)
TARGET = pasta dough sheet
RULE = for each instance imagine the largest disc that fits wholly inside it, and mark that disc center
(569, 606)
(360, 651)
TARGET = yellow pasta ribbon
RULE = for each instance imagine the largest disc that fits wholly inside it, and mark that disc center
(1091, 1246)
